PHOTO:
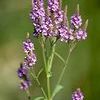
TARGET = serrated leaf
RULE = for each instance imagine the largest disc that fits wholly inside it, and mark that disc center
(56, 90)
(39, 98)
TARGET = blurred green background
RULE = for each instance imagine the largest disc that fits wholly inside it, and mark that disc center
(84, 67)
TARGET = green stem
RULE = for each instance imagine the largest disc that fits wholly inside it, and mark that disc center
(41, 88)
(71, 48)
(60, 57)
(49, 66)
(46, 66)
(39, 84)
(44, 54)
(50, 60)
(48, 87)
(64, 68)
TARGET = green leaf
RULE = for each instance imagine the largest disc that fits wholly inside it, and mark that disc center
(39, 98)
(56, 90)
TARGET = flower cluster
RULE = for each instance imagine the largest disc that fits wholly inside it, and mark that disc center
(28, 62)
(77, 95)
(53, 21)
(30, 58)
(76, 21)
(37, 15)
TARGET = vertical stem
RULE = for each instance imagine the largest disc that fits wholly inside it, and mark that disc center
(48, 87)
(44, 54)
(49, 66)
(46, 68)
(50, 60)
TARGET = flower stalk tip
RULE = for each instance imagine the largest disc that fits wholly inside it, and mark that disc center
(78, 10)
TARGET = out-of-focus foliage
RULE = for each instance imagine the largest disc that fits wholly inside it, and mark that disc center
(84, 66)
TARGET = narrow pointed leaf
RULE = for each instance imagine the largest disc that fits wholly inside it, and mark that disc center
(39, 98)
(56, 90)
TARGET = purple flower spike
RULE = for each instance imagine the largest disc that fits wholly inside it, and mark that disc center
(22, 71)
(53, 5)
(23, 75)
(76, 21)
(28, 46)
(37, 15)
(24, 85)
(30, 59)
(81, 34)
(77, 95)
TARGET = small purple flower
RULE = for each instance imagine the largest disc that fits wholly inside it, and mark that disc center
(30, 59)
(77, 95)
(58, 17)
(81, 34)
(64, 33)
(22, 71)
(53, 5)
(24, 85)
(76, 21)
(28, 46)
(47, 27)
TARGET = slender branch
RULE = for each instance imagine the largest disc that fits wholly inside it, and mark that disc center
(41, 88)
(50, 60)
(64, 69)
(39, 84)
(71, 48)
(60, 57)
(41, 70)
